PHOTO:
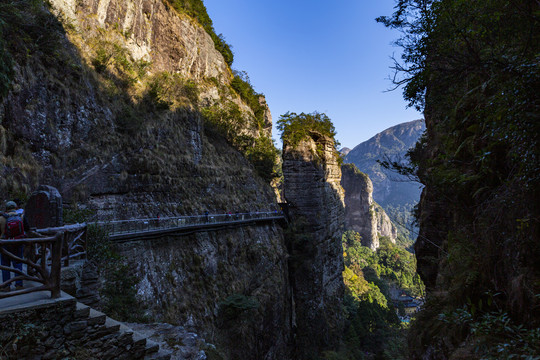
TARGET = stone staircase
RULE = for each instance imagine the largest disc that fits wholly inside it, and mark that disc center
(116, 337)
(69, 328)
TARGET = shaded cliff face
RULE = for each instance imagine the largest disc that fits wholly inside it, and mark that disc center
(362, 214)
(91, 112)
(312, 189)
(192, 280)
(479, 213)
(86, 113)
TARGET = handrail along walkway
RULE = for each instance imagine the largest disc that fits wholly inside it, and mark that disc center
(124, 229)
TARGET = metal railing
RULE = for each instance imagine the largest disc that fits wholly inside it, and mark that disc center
(40, 263)
(135, 226)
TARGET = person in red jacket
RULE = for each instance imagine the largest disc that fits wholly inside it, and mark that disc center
(12, 226)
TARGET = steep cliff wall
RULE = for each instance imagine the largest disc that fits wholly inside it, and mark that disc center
(106, 107)
(105, 103)
(362, 214)
(232, 286)
(312, 189)
(479, 213)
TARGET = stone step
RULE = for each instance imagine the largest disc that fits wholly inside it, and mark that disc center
(112, 325)
(82, 311)
(151, 347)
(160, 355)
(104, 327)
(96, 318)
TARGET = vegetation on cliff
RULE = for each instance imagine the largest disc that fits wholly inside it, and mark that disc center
(296, 127)
(474, 69)
(197, 10)
(372, 322)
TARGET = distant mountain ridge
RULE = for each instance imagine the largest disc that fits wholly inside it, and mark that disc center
(395, 193)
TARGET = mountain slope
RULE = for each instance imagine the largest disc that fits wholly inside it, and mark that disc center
(395, 193)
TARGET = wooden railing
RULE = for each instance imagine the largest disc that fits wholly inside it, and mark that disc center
(41, 264)
(74, 244)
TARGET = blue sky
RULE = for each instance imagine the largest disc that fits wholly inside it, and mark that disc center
(325, 56)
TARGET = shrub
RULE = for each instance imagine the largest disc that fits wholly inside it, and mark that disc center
(172, 91)
(296, 127)
(243, 87)
(234, 305)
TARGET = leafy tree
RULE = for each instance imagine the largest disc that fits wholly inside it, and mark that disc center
(295, 127)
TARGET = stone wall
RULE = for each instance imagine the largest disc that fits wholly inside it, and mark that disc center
(312, 189)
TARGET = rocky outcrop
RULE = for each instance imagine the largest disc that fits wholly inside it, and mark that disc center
(95, 137)
(44, 208)
(312, 189)
(359, 214)
(362, 214)
(385, 227)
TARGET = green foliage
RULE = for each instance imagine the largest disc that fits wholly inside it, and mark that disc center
(234, 305)
(197, 10)
(114, 62)
(24, 31)
(263, 155)
(296, 127)
(243, 87)
(372, 324)
(119, 292)
(473, 67)
(6, 68)
(17, 335)
(390, 262)
(495, 334)
(228, 121)
(260, 151)
(76, 215)
(172, 91)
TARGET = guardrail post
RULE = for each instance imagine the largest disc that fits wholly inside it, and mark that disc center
(56, 263)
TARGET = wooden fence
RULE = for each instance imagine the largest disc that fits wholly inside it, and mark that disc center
(42, 257)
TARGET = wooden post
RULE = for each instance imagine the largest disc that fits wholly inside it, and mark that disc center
(56, 264)
(66, 249)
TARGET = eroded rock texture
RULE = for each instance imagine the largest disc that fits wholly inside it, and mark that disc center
(312, 188)
(362, 214)
(192, 280)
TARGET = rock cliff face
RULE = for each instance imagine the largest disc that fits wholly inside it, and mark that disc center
(362, 214)
(74, 121)
(312, 189)
(393, 143)
(232, 286)
(88, 113)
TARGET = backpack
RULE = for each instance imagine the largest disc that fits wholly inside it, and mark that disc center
(14, 226)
